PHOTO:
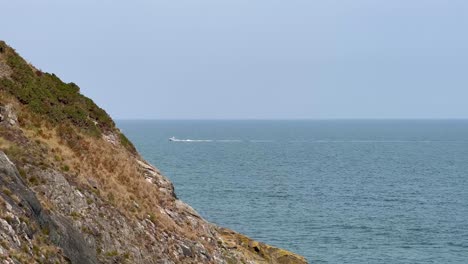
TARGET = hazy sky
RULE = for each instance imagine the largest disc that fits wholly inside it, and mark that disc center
(241, 59)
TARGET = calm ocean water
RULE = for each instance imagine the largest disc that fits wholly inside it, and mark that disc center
(333, 191)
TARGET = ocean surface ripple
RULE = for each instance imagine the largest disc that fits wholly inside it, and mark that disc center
(334, 191)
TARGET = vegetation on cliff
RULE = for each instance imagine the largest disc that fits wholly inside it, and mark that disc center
(59, 103)
(70, 175)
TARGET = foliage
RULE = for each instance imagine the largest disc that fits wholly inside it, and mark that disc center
(47, 95)
(62, 104)
(127, 143)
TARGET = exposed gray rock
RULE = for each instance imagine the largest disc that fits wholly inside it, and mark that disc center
(154, 176)
(111, 138)
(5, 70)
(62, 232)
(8, 115)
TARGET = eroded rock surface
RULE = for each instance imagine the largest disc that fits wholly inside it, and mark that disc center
(26, 218)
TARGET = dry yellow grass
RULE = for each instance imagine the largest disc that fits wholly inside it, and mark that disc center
(119, 177)
(115, 170)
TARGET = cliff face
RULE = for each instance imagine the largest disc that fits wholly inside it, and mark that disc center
(74, 189)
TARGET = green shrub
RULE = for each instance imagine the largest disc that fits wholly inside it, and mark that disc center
(75, 215)
(47, 95)
(7, 191)
(112, 253)
(62, 104)
(14, 152)
(127, 143)
(34, 180)
(22, 172)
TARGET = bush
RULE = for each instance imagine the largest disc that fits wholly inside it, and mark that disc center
(127, 143)
(6, 191)
(47, 95)
(34, 180)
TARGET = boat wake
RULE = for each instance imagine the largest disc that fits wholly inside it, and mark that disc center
(319, 141)
(173, 139)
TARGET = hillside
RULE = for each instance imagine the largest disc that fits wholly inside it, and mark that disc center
(75, 190)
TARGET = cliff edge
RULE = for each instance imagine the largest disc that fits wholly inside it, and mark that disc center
(73, 188)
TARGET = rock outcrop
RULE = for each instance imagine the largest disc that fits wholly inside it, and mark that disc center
(22, 215)
(75, 190)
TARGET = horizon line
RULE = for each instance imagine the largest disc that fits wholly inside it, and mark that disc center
(293, 119)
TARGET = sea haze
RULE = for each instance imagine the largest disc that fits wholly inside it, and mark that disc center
(349, 191)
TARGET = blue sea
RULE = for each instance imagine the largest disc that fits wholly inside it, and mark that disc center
(334, 191)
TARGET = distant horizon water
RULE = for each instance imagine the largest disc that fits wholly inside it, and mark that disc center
(334, 191)
(293, 119)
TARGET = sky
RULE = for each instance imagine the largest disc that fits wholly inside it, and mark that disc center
(252, 59)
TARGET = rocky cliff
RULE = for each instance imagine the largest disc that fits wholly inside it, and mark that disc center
(73, 189)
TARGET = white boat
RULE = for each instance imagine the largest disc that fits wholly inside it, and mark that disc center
(173, 139)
